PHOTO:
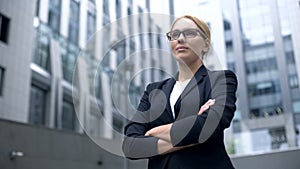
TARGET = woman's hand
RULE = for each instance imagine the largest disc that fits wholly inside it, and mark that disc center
(161, 132)
(206, 106)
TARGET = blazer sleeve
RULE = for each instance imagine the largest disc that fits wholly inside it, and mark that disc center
(199, 128)
(135, 144)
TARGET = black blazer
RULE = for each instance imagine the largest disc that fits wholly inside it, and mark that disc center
(188, 127)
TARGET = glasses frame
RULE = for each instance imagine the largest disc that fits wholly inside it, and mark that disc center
(168, 34)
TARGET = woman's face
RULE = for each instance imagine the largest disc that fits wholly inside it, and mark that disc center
(188, 49)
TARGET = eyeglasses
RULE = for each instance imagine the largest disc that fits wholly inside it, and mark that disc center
(188, 33)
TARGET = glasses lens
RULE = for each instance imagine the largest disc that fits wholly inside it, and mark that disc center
(190, 33)
(175, 35)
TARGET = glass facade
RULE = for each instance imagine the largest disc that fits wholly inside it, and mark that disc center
(37, 106)
(91, 24)
(256, 21)
(105, 8)
(260, 57)
(68, 117)
(54, 14)
(42, 47)
(99, 74)
(69, 56)
(267, 56)
(74, 22)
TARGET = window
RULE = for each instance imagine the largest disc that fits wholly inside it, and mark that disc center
(68, 116)
(296, 106)
(118, 9)
(98, 86)
(231, 66)
(293, 80)
(37, 8)
(68, 62)
(105, 8)
(2, 71)
(262, 88)
(37, 106)
(74, 22)
(42, 48)
(91, 24)
(290, 58)
(54, 14)
(261, 65)
(140, 23)
(4, 26)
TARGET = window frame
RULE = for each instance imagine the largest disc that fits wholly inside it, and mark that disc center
(4, 28)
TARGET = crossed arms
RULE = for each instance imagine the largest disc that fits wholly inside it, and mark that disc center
(144, 141)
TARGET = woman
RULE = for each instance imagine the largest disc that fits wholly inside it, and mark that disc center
(180, 121)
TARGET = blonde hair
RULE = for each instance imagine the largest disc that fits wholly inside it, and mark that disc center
(200, 24)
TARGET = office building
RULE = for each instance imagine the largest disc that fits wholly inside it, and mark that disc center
(79, 65)
(258, 40)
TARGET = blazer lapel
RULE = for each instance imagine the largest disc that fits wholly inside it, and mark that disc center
(167, 88)
(189, 101)
(201, 72)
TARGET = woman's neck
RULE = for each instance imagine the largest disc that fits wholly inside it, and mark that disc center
(188, 71)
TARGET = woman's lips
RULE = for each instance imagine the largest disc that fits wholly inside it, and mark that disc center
(181, 48)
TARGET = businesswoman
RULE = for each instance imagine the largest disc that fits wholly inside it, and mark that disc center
(180, 121)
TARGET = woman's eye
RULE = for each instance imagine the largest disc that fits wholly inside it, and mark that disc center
(175, 34)
(190, 33)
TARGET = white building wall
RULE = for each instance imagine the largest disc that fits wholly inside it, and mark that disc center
(16, 57)
(44, 8)
(294, 16)
(65, 14)
(99, 31)
(83, 23)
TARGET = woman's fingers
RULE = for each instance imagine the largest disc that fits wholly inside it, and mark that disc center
(206, 106)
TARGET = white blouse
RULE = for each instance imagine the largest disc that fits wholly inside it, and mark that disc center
(176, 92)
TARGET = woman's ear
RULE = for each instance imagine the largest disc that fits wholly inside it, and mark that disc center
(206, 46)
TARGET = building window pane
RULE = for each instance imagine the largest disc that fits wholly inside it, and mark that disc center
(118, 8)
(4, 26)
(2, 71)
(293, 80)
(54, 14)
(68, 66)
(296, 106)
(68, 63)
(68, 116)
(91, 25)
(37, 8)
(105, 7)
(290, 59)
(74, 22)
(37, 106)
(41, 54)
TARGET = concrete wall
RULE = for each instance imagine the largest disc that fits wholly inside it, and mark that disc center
(288, 159)
(53, 149)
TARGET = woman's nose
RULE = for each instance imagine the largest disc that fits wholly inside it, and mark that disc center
(181, 38)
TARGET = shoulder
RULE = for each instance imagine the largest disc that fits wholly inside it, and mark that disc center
(226, 76)
(157, 85)
(222, 73)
